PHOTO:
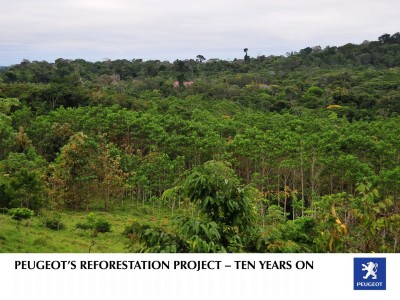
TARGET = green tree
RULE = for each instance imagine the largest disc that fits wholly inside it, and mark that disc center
(74, 175)
(86, 171)
(6, 130)
(246, 57)
(200, 58)
(23, 181)
(227, 215)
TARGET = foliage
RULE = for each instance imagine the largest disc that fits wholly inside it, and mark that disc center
(52, 220)
(102, 225)
(95, 223)
(22, 181)
(20, 213)
(295, 153)
(227, 215)
(153, 239)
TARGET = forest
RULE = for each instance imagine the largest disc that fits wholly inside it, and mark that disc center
(294, 153)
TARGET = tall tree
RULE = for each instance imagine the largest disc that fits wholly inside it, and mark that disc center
(246, 57)
(200, 58)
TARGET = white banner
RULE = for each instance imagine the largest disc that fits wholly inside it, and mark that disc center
(200, 276)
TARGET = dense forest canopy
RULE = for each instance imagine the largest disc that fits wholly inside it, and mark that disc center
(295, 153)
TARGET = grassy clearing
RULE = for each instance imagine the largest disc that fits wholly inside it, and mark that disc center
(30, 236)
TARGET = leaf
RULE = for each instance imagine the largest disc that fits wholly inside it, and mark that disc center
(194, 244)
(361, 188)
(331, 244)
(333, 210)
(345, 229)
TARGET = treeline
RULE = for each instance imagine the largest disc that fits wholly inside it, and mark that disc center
(383, 53)
(362, 79)
(252, 155)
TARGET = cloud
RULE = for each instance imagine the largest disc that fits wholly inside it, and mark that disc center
(159, 29)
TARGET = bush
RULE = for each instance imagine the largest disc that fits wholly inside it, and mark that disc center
(95, 223)
(132, 229)
(91, 218)
(21, 213)
(102, 225)
(52, 220)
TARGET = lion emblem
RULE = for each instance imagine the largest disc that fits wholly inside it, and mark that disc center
(371, 268)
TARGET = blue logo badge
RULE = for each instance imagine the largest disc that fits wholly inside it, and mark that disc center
(370, 273)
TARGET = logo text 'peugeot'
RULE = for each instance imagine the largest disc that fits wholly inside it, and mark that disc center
(370, 273)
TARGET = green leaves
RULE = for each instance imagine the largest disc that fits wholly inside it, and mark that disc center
(6, 104)
(20, 213)
(226, 214)
(278, 143)
(22, 181)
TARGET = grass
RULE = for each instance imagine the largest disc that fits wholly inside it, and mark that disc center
(30, 236)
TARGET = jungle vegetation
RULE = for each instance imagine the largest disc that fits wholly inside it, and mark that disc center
(295, 153)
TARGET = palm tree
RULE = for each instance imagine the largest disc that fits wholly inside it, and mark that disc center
(246, 57)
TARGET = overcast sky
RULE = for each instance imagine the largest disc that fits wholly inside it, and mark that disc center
(171, 29)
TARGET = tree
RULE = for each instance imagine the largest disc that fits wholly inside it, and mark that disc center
(22, 181)
(74, 177)
(6, 130)
(85, 171)
(384, 38)
(200, 58)
(110, 175)
(227, 215)
(246, 57)
(312, 98)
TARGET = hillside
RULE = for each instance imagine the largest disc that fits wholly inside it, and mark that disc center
(295, 153)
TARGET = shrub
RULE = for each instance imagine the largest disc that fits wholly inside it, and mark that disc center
(21, 213)
(91, 218)
(95, 223)
(132, 229)
(102, 225)
(52, 220)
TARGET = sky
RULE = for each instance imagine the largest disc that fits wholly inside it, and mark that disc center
(176, 29)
